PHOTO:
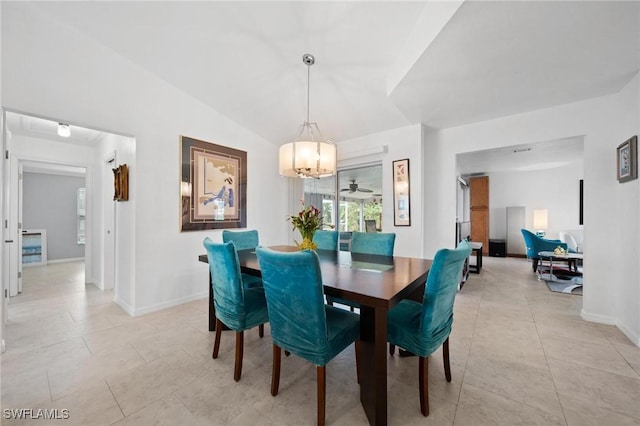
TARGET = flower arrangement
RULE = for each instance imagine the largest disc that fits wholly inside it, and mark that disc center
(307, 221)
(560, 250)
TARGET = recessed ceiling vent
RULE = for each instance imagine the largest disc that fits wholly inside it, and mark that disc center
(522, 150)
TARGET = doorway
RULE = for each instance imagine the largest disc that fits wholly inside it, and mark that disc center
(33, 140)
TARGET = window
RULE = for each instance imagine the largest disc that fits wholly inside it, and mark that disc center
(320, 193)
(360, 192)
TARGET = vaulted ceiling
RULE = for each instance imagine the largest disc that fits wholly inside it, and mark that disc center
(379, 65)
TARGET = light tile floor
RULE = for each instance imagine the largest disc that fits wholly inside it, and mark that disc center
(520, 355)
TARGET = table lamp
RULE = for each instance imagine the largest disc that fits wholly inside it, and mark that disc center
(540, 221)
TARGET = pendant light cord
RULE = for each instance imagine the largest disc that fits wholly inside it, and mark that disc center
(308, 88)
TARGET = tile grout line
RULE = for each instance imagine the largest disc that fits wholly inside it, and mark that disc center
(546, 360)
(116, 400)
(475, 324)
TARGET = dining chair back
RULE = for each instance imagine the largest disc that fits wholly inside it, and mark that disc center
(237, 306)
(421, 328)
(300, 322)
(381, 243)
(326, 240)
(367, 243)
(242, 239)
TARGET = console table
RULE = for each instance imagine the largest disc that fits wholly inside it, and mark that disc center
(476, 249)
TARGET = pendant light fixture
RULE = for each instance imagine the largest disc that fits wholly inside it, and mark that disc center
(310, 155)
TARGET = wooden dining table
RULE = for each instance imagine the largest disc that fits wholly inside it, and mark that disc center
(376, 283)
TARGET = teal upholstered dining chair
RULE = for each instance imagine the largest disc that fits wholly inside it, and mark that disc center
(237, 306)
(381, 243)
(326, 240)
(300, 321)
(537, 244)
(244, 240)
(421, 328)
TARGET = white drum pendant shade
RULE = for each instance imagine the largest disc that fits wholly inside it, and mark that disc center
(307, 159)
(309, 155)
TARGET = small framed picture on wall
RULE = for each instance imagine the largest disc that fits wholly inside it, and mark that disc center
(401, 193)
(627, 160)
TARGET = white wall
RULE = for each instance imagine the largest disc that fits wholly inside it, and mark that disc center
(556, 189)
(611, 253)
(124, 149)
(405, 142)
(93, 86)
(50, 202)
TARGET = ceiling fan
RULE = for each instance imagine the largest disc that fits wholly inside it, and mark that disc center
(353, 187)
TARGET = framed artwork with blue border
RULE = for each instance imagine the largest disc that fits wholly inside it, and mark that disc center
(627, 162)
(213, 187)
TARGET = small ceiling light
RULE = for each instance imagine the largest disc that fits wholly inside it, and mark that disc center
(64, 130)
(310, 154)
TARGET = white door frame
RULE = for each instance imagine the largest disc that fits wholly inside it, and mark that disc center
(15, 221)
(6, 237)
(20, 222)
(108, 228)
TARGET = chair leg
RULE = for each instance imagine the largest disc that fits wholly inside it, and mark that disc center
(423, 377)
(261, 331)
(351, 307)
(287, 353)
(322, 391)
(237, 371)
(358, 357)
(275, 370)
(392, 349)
(216, 344)
(535, 265)
(445, 358)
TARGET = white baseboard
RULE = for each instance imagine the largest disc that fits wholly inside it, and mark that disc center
(71, 259)
(164, 305)
(605, 319)
(634, 337)
(601, 319)
(124, 305)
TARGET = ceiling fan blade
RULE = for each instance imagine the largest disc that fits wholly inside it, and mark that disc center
(365, 190)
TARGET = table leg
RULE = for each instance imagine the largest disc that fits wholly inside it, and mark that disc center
(373, 363)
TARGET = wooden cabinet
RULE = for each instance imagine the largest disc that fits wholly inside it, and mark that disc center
(479, 192)
(479, 209)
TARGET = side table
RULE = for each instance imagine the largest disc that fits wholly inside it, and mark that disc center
(476, 249)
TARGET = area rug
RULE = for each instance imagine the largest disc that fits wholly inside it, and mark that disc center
(562, 280)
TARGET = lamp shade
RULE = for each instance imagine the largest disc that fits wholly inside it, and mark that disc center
(540, 217)
(302, 158)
